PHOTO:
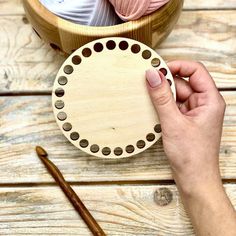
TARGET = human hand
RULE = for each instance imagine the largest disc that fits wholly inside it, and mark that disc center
(191, 133)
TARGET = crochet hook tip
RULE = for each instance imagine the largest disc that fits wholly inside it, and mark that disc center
(41, 152)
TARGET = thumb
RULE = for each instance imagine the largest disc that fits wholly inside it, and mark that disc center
(162, 98)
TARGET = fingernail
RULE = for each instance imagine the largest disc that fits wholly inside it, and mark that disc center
(153, 78)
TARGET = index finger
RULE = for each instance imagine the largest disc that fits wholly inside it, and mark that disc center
(199, 78)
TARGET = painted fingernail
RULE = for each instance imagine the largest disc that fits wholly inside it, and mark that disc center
(153, 78)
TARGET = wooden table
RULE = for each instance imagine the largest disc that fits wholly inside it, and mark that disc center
(134, 196)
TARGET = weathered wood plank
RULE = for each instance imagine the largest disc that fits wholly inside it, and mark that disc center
(14, 7)
(208, 37)
(29, 121)
(27, 64)
(120, 210)
(210, 4)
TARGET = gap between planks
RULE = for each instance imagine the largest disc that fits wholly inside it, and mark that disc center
(103, 183)
(49, 92)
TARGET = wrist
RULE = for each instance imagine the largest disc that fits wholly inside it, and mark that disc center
(203, 195)
(209, 202)
(193, 183)
(201, 190)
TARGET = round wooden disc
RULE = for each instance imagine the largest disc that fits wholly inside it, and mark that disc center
(100, 99)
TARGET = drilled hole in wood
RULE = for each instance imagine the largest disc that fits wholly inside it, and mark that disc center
(169, 81)
(140, 144)
(83, 143)
(155, 62)
(98, 47)
(135, 48)
(110, 44)
(123, 45)
(61, 115)
(59, 92)
(76, 60)
(129, 149)
(106, 151)
(67, 126)
(74, 136)
(146, 54)
(68, 69)
(55, 47)
(25, 20)
(59, 104)
(118, 151)
(157, 128)
(86, 52)
(37, 33)
(150, 137)
(62, 80)
(163, 71)
(94, 148)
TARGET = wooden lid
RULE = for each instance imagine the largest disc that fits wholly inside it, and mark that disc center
(100, 99)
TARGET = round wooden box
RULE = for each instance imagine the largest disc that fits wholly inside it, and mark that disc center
(67, 36)
(100, 98)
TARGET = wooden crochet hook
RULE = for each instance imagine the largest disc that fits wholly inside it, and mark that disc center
(70, 193)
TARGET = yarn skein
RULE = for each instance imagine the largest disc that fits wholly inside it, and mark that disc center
(135, 9)
(85, 12)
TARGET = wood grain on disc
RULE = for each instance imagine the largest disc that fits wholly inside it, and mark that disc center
(100, 99)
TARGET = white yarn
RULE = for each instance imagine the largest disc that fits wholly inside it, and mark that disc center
(85, 12)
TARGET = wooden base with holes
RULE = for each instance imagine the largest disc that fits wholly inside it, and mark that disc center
(100, 98)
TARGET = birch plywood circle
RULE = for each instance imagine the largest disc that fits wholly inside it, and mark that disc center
(100, 99)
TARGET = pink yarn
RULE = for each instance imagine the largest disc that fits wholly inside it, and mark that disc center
(134, 9)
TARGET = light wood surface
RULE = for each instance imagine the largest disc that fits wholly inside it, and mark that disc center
(120, 210)
(27, 64)
(210, 4)
(30, 203)
(103, 99)
(39, 127)
(13, 7)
